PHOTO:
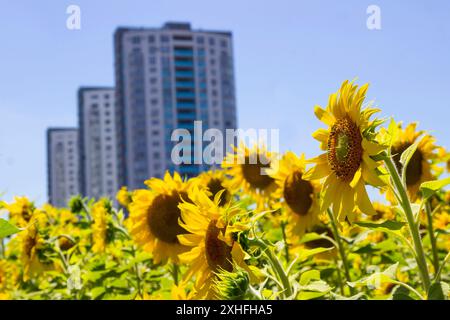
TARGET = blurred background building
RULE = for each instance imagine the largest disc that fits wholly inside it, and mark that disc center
(166, 78)
(63, 165)
(97, 125)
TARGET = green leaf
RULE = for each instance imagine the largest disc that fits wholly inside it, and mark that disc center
(401, 293)
(378, 278)
(310, 295)
(307, 276)
(97, 292)
(438, 291)
(429, 188)
(7, 229)
(408, 154)
(388, 224)
(306, 253)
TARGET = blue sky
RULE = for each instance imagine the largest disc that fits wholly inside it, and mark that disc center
(289, 55)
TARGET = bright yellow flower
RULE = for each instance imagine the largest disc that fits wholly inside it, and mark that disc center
(347, 163)
(31, 245)
(154, 217)
(20, 211)
(420, 168)
(441, 220)
(214, 181)
(383, 212)
(299, 198)
(212, 245)
(99, 226)
(248, 171)
(124, 197)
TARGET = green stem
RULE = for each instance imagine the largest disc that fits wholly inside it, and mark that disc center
(286, 247)
(340, 247)
(2, 248)
(138, 274)
(175, 273)
(409, 288)
(341, 285)
(432, 238)
(276, 264)
(413, 227)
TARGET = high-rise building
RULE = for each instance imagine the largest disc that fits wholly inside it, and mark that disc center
(166, 78)
(63, 165)
(97, 125)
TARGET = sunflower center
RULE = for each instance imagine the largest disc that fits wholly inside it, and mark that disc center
(30, 243)
(218, 253)
(163, 216)
(321, 243)
(345, 149)
(253, 173)
(215, 186)
(298, 193)
(414, 170)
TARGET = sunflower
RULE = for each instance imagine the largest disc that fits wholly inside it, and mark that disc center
(300, 198)
(347, 164)
(32, 246)
(20, 211)
(154, 216)
(213, 247)
(99, 226)
(248, 171)
(384, 212)
(124, 197)
(420, 168)
(214, 182)
(8, 275)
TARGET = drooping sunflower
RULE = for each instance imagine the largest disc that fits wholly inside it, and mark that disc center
(347, 164)
(248, 171)
(214, 181)
(211, 240)
(20, 211)
(32, 246)
(154, 216)
(420, 168)
(99, 226)
(298, 197)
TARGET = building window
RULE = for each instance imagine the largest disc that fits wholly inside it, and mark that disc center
(200, 40)
(164, 38)
(212, 41)
(136, 40)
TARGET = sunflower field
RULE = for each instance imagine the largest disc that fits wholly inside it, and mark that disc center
(282, 227)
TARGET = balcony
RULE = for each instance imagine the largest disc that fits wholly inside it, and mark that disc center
(184, 63)
(185, 95)
(185, 84)
(185, 105)
(184, 74)
(187, 116)
(183, 53)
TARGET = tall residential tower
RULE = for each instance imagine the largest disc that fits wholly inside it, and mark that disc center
(166, 78)
(98, 155)
(63, 165)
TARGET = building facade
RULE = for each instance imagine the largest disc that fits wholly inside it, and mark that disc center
(97, 145)
(167, 78)
(63, 165)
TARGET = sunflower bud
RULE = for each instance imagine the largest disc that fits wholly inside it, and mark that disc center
(231, 285)
(76, 204)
